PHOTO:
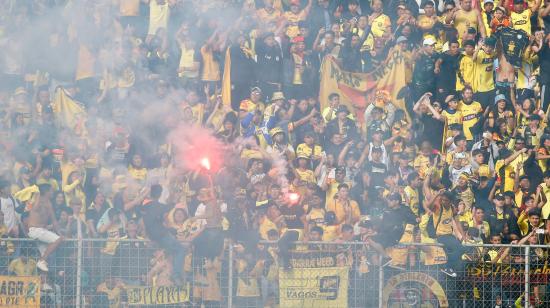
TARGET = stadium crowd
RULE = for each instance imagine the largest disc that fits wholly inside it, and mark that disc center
(90, 92)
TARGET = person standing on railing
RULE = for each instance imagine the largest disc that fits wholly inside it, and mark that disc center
(447, 228)
(41, 215)
(153, 219)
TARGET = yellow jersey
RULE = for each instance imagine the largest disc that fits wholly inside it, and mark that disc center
(305, 149)
(465, 74)
(339, 209)
(521, 21)
(507, 175)
(158, 16)
(380, 25)
(470, 116)
(451, 118)
(483, 80)
(546, 206)
(413, 201)
(445, 223)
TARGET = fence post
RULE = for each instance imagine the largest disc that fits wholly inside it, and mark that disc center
(526, 287)
(230, 277)
(380, 285)
(79, 273)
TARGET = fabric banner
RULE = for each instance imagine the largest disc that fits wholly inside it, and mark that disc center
(317, 279)
(314, 287)
(68, 112)
(157, 295)
(413, 289)
(20, 291)
(357, 90)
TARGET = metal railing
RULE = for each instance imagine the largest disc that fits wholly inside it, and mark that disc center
(121, 273)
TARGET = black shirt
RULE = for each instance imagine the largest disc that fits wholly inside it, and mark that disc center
(153, 219)
(292, 215)
(423, 73)
(446, 79)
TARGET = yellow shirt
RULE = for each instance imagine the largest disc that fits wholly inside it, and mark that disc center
(521, 21)
(509, 171)
(445, 226)
(265, 226)
(413, 201)
(139, 174)
(483, 80)
(339, 208)
(306, 175)
(424, 21)
(546, 206)
(330, 233)
(210, 67)
(247, 284)
(112, 294)
(265, 17)
(451, 118)
(307, 150)
(21, 268)
(470, 116)
(421, 163)
(158, 16)
(380, 25)
(293, 30)
(486, 228)
(466, 70)
(432, 254)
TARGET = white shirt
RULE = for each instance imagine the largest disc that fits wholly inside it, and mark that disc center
(10, 216)
(201, 210)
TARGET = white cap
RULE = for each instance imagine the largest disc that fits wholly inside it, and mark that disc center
(428, 41)
(488, 1)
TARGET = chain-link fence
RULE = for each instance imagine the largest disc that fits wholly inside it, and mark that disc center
(120, 273)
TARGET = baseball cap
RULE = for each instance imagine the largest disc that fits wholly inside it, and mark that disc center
(450, 98)
(429, 41)
(499, 196)
(500, 97)
(488, 1)
(401, 39)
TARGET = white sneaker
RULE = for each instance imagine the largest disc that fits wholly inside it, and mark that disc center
(42, 265)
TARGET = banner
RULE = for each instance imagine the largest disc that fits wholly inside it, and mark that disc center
(413, 289)
(357, 90)
(68, 112)
(317, 279)
(157, 295)
(20, 291)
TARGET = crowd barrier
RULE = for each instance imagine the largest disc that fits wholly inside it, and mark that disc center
(134, 273)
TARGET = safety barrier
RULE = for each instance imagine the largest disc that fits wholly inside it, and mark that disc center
(121, 273)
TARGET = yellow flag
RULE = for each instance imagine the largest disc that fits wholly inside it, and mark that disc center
(226, 81)
(68, 112)
(357, 90)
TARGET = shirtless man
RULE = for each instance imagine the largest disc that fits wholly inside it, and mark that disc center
(466, 17)
(40, 216)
